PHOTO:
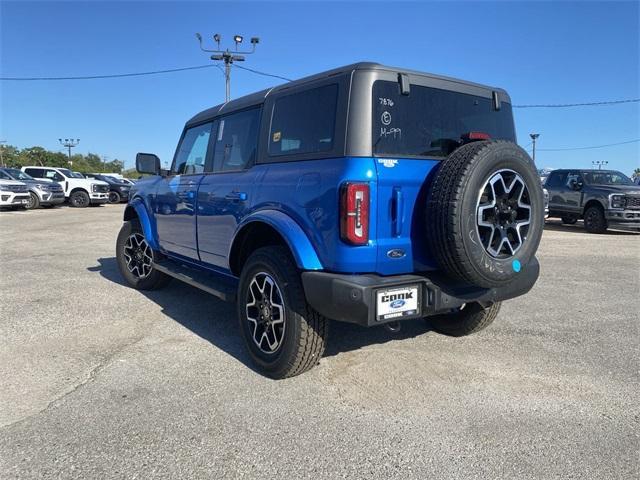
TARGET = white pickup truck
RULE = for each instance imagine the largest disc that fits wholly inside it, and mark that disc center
(13, 194)
(80, 192)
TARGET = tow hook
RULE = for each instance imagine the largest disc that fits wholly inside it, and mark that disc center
(393, 327)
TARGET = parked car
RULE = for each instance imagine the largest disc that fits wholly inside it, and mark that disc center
(366, 194)
(13, 194)
(80, 192)
(603, 198)
(118, 190)
(41, 192)
(545, 194)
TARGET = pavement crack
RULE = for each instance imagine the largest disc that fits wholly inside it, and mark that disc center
(104, 362)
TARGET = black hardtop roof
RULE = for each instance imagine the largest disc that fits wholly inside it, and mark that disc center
(259, 97)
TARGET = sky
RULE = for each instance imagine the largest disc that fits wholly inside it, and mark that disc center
(540, 52)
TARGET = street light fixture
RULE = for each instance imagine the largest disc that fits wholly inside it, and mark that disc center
(599, 163)
(69, 143)
(228, 57)
(534, 137)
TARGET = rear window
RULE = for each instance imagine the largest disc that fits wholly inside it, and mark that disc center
(430, 122)
(304, 122)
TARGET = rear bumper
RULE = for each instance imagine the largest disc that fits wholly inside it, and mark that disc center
(352, 298)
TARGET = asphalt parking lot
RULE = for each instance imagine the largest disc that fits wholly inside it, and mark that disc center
(102, 381)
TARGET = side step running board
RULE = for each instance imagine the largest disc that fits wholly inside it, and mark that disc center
(224, 290)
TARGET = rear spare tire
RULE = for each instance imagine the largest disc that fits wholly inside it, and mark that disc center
(485, 213)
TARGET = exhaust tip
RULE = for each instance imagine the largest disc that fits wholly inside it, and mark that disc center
(393, 327)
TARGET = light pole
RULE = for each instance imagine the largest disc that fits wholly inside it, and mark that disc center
(228, 57)
(534, 137)
(599, 163)
(69, 143)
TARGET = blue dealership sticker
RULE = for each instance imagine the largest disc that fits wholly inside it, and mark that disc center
(516, 266)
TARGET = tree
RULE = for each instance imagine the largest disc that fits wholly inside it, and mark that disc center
(10, 155)
(636, 173)
(38, 156)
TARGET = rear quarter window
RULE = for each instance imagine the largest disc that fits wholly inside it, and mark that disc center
(304, 122)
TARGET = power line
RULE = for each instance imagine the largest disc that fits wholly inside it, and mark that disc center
(588, 148)
(258, 72)
(263, 73)
(118, 75)
(587, 104)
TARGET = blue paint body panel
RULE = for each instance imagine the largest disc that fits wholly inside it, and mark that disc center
(297, 241)
(146, 221)
(198, 217)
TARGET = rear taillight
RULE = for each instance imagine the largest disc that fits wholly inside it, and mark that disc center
(354, 213)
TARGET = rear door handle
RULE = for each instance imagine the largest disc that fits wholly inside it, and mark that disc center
(242, 196)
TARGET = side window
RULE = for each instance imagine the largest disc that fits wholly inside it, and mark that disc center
(34, 172)
(237, 141)
(556, 179)
(572, 176)
(53, 175)
(4, 176)
(192, 152)
(304, 122)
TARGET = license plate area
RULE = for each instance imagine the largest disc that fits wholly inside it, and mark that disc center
(397, 303)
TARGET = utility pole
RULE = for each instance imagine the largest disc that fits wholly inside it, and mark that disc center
(599, 163)
(534, 137)
(228, 57)
(69, 143)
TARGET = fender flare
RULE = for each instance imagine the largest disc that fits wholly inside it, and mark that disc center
(146, 221)
(303, 252)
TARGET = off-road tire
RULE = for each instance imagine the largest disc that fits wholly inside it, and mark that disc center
(569, 220)
(451, 232)
(594, 220)
(34, 201)
(470, 319)
(79, 199)
(114, 197)
(155, 280)
(305, 330)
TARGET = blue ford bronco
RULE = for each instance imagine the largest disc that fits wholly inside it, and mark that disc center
(365, 194)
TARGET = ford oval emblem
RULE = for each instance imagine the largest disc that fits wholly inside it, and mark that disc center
(397, 303)
(396, 253)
